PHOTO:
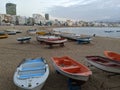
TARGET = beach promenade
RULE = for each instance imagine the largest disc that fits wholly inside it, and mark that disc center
(12, 53)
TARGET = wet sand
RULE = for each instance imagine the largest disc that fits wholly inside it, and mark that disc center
(12, 53)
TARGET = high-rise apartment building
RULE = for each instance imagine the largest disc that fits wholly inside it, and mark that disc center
(47, 16)
(11, 8)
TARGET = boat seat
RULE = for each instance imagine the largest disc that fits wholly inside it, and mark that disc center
(64, 63)
(30, 74)
(35, 60)
(32, 66)
(70, 67)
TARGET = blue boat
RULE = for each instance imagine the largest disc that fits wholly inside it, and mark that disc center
(31, 74)
(118, 31)
(27, 39)
(84, 40)
(10, 32)
(108, 31)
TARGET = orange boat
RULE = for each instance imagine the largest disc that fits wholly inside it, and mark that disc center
(71, 68)
(112, 55)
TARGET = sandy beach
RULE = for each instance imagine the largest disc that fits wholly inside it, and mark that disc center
(12, 53)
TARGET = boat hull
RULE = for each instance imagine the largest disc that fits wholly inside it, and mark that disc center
(57, 41)
(84, 40)
(81, 78)
(70, 68)
(106, 67)
(31, 78)
(3, 35)
(41, 38)
(23, 39)
(36, 88)
(70, 36)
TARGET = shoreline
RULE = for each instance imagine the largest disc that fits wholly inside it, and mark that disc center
(45, 27)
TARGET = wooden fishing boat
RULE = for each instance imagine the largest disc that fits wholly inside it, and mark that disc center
(3, 35)
(71, 68)
(70, 36)
(31, 31)
(58, 33)
(55, 41)
(108, 31)
(52, 42)
(13, 31)
(112, 55)
(10, 32)
(27, 39)
(31, 74)
(84, 40)
(41, 33)
(103, 63)
(41, 38)
(118, 31)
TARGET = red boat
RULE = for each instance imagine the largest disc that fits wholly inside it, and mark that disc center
(71, 68)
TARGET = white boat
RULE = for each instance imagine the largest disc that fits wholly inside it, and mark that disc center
(56, 32)
(103, 63)
(55, 41)
(70, 36)
(10, 32)
(84, 40)
(41, 38)
(32, 31)
(13, 30)
(52, 42)
(31, 74)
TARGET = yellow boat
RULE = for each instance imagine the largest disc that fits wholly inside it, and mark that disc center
(41, 33)
(3, 35)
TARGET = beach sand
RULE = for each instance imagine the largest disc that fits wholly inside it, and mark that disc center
(12, 53)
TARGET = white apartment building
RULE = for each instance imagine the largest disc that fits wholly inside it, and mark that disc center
(1, 18)
(5, 19)
(14, 19)
(30, 21)
(38, 19)
(22, 20)
(69, 22)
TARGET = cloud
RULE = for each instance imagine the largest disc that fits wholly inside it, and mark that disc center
(88, 10)
(68, 3)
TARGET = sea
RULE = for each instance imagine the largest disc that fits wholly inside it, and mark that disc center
(113, 32)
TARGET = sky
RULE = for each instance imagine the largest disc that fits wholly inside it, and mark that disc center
(87, 10)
